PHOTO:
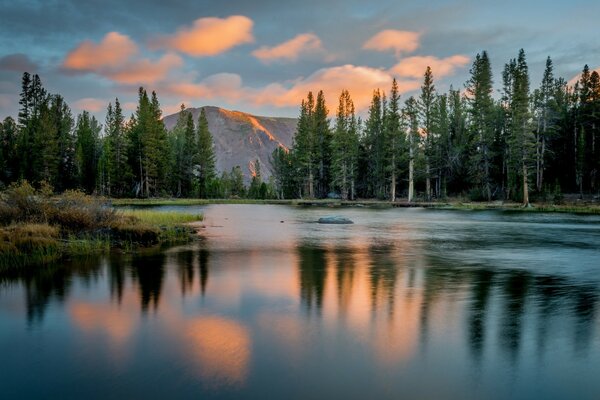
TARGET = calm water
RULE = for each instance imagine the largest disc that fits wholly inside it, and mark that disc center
(405, 303)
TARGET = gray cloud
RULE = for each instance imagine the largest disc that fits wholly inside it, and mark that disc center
(18, 63)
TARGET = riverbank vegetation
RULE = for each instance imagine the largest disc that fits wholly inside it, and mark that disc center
(37, 227)
(524, 145)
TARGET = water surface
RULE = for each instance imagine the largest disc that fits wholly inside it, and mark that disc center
(404, 303)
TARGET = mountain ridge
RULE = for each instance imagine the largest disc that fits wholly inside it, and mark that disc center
(241, 138)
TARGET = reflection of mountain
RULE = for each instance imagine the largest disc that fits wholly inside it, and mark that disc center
(242, 138)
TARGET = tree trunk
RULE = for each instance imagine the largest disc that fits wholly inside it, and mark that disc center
(525, 186)
(428, 181)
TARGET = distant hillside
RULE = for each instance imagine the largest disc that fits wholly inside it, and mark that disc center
(241, 138)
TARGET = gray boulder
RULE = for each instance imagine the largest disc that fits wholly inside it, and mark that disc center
(334, 219)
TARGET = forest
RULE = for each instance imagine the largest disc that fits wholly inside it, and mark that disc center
(515, 143)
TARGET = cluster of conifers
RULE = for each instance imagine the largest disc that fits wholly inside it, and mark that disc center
(524, 143)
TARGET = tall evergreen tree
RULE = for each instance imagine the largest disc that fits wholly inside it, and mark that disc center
(481, 124)
(411, 111)
(426, 100)
(322, 145)
(87, 131)
(345, 148)
(393, 138)
(205, 156)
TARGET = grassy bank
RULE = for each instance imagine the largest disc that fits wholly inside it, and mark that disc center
(450, 204)
(37, 227)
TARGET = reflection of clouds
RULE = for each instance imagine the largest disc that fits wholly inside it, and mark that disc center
(221, 347)
(111, 319)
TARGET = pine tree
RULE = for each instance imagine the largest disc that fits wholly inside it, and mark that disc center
(118, 171)
(375, 148)
(521, 140)
(8, 142)
(411, 111)
(345, 148)
(481, 124)
(205, 163)
(322, 145)
(87, 131)
(425, 104)
(393, 130)
(304, 147)
(62, 119)
(546, 113)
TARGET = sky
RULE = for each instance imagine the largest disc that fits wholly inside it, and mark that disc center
(263, 56)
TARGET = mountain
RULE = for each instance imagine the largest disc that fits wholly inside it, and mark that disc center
(241, 138)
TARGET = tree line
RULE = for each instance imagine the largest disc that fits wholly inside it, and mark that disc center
(516, 145)
(125, 157)
(520, 144)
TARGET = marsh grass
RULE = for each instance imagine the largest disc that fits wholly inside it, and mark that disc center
(37, 227)
(161, 218)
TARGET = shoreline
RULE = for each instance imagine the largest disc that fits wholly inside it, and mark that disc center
(587, 208)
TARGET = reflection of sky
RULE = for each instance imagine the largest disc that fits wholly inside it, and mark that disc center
(350, 313)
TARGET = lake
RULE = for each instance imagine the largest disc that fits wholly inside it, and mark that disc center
(404, 303)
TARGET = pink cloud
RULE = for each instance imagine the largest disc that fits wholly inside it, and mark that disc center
(398, 41)
(115, 58)
(208, 36)
(359, 80)
(144, 71)
(290, 50)
(414, 67)
(112, 51)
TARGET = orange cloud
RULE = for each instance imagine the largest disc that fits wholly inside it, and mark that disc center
(90, 104)
(112, 51)
(359, 80)
(390, 39)
(291, 49)
(115, 58)
(414, 67)
(209, 36)
(144, 70)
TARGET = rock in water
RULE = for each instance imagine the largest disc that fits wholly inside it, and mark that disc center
(334, 219)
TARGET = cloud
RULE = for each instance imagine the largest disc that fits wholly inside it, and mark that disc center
(17, 62)
(291, 49)
(144, 71)
(414, 67)
(111, 52)
(115, 58)
(398, 41)
(208, 36)
(359, 80)
(90, 104)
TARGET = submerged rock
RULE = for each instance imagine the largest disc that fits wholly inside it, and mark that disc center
(334, 219)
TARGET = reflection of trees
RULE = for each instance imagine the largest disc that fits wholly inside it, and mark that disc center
(185, 270)
(312, 269)
(383, 273)
(514, 289)
(149, 273)
(345, 277)
(203, 264)
(480, 293)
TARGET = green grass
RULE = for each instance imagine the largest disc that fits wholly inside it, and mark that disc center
(194, 202)
(161, 218)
